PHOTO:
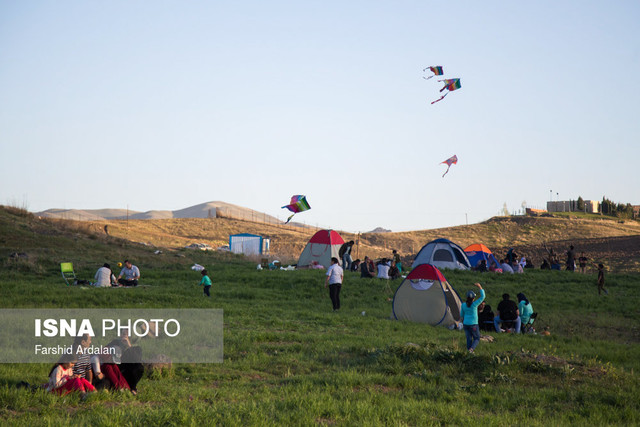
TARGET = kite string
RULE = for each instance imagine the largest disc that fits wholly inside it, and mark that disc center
(441, 98)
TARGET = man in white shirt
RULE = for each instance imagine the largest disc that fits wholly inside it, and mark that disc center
(131, 274)
(334, 279)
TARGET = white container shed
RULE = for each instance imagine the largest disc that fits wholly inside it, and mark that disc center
(248, 244)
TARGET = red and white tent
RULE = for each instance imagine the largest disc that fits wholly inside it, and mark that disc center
(324, 245)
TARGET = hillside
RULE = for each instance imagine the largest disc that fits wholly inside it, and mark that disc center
(614, 243)
(203, 210)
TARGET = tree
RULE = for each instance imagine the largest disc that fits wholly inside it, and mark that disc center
(580, 203)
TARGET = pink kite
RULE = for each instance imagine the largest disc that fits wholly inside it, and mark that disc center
(450, 161)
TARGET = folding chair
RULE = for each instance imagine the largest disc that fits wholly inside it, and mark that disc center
(67, 273)
(528, 327)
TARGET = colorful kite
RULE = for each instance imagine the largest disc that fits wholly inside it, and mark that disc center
(450, 85)
(450, 161)
(436, 70)
(297, 204)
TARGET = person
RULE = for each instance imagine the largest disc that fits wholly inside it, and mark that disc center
(206, 282)
(485, 317)
(345, 254)
(131, 357)
(396, 258)
(355, 265)
(525, 308)
(506, 268)
(469, 315)
(582, 262)
(601, 280)
(571, 259)
(507, 313)
(481, 266)
(131, 274)
(106, 373)
(383, 268)
(334, 279)
(62, 380)
(493, 266)
(366, 268)
(510, 256)
(104, 277)
(394, 271)
(82, 365)
(523, 262)
(545, 265)
(517, 268)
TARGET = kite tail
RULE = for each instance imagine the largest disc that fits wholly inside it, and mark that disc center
(427, 78)
(441, 98)
(447, 171)
(289, 219)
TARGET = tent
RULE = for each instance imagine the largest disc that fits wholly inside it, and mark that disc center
(478, 252)
(442, 253)
(248, 244)
(324, 245)
(425, 296)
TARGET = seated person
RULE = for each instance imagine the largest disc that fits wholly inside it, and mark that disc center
(104, 277)
(545, 265)
(485, 317)
(366, 268)
(383, 268)
(131, 274)
(355, 265)
(481, 266)
(394, 271)
(506, 268)
(507, 314)
(517, 268)
(525, 308)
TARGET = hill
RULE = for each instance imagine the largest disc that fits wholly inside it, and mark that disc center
(203, 210)
(615, 243)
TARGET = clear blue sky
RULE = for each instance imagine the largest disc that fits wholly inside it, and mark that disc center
(167, 104)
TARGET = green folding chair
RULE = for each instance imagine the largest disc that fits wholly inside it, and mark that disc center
(67, 272)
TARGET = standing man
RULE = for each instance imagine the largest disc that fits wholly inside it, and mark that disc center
(571, 259)
(131, 274)
(334, 280)
(345, 254)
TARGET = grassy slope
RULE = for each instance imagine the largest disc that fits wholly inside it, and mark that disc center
(288, 359)
(526, 234)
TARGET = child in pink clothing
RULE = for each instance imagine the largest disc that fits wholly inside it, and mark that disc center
(63, 381)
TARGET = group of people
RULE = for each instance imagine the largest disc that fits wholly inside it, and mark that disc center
(129, 276)
(476, 315)
(385, 268)
(82, 371)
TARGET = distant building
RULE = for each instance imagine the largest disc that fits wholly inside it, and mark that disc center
(590, 206)
(636, 211)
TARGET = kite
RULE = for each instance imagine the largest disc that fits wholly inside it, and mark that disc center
(436, 70)
(297, 204)
(450, 161)
(450, 85)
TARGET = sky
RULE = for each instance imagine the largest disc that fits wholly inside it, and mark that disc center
(162, 105)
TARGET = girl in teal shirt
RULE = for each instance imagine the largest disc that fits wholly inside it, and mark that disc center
(469, 314)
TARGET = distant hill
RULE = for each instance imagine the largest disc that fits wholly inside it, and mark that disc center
(205, 210)
(380, 230)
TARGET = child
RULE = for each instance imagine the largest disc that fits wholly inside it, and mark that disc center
(62, 380)
(206, 281)
(601, 280)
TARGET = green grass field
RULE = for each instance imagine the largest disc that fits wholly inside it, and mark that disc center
(288, 359)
